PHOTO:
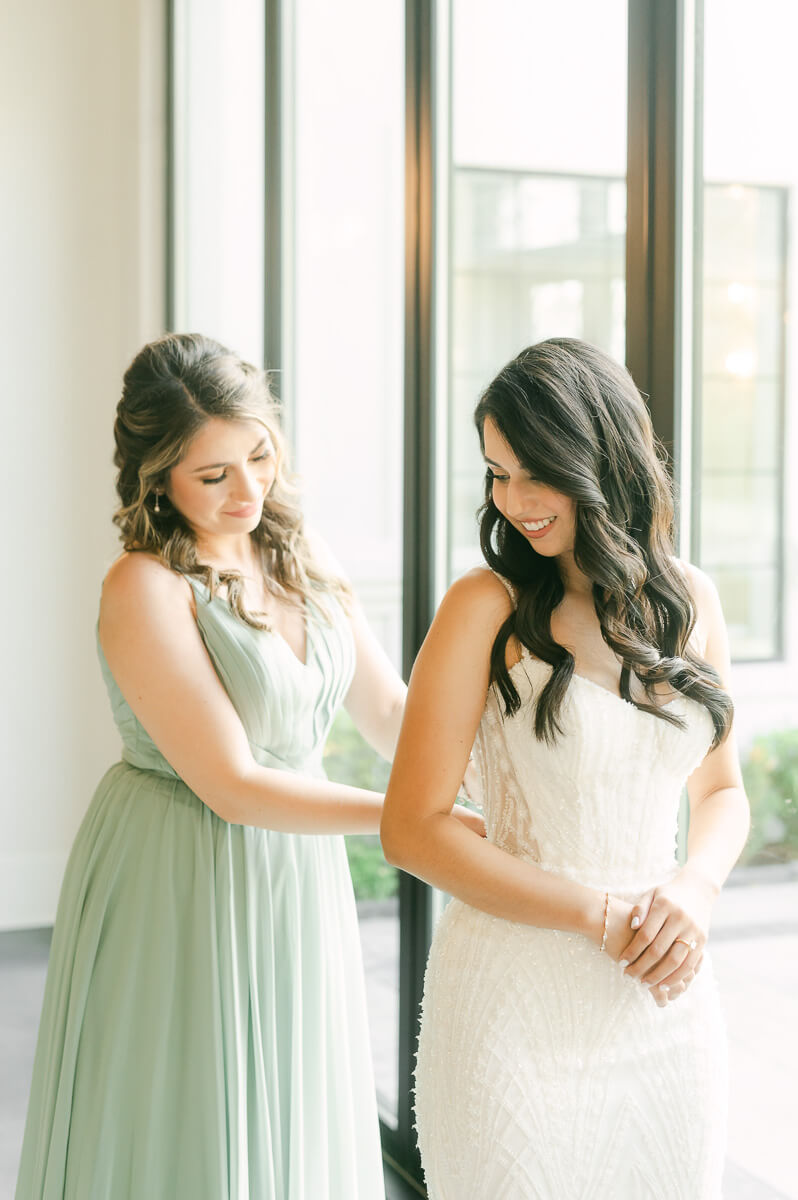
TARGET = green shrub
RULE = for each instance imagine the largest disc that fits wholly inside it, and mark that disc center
(349, 759)
(373, 878)
(770, 772)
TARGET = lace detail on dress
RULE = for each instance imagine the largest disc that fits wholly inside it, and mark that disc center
(508, 820)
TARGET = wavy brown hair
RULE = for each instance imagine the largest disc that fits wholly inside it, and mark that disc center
(575, 421)
(173, 387)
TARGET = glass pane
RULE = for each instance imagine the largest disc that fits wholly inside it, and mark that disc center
(745, 529)
(343, 382)
(740, 426)
(538, 205)
(746, 258)
(750, 598)
(739, 519)
(219, 172)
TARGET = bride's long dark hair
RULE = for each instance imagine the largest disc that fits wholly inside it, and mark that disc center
(575, 421)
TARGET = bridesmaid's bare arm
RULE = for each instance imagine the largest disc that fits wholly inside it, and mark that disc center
(376, 696)
(150, 639)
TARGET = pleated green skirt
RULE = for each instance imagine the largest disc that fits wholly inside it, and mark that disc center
(204, 1032)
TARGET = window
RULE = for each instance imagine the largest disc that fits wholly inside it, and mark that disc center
(537, 204)
(739, 468)
(744, 534)
(342, 380)
(534, 255)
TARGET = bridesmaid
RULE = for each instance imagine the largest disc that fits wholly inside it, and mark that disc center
(204, 1030)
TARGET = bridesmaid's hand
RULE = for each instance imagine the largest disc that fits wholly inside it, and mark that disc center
(667, 949)
(472, 820)
(472, 784)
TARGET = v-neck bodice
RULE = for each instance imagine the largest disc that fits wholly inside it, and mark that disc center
(286, 706)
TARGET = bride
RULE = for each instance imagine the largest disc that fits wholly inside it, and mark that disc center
(587, 669)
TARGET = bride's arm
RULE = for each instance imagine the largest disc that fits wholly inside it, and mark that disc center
(445, 702)
(720, 815)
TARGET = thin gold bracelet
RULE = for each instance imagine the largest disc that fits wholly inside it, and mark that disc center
(606, 918)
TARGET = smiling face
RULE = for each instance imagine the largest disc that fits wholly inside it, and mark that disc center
(221, 483)
(545, 517)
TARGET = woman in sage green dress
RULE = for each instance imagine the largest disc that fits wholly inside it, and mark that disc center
(204, 1031)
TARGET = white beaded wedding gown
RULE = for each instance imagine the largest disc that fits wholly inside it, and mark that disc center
(543, 1073)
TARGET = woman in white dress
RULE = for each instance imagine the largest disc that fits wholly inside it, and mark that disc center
(559, 1058)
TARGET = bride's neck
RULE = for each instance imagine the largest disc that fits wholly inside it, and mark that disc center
(575, 582)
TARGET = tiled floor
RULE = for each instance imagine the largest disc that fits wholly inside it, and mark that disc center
(755, 948)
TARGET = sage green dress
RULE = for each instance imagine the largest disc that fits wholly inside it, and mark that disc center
(204, 1032)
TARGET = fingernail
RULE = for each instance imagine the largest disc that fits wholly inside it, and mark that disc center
(623, 964)
(663, 987)
(635, 922)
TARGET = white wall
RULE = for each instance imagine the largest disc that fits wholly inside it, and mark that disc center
(219, 176)
(81, 247)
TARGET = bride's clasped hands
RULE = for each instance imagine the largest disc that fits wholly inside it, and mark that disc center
(660, 940)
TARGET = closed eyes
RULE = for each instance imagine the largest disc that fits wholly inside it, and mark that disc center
(218, 478)
(496, 477)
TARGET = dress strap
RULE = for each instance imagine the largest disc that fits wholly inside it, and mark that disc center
(197, 586)
(512, 590)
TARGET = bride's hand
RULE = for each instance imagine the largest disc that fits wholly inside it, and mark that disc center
(620, 934)
(666, 951)
(472, 820)
(619, 916)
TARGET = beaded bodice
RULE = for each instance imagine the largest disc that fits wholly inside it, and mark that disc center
(600, 804)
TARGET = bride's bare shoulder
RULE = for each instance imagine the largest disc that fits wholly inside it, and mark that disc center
(475, 605)
(706, 603)
(482, 587)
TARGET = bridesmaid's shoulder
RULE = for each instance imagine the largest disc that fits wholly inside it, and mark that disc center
(141, 579)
